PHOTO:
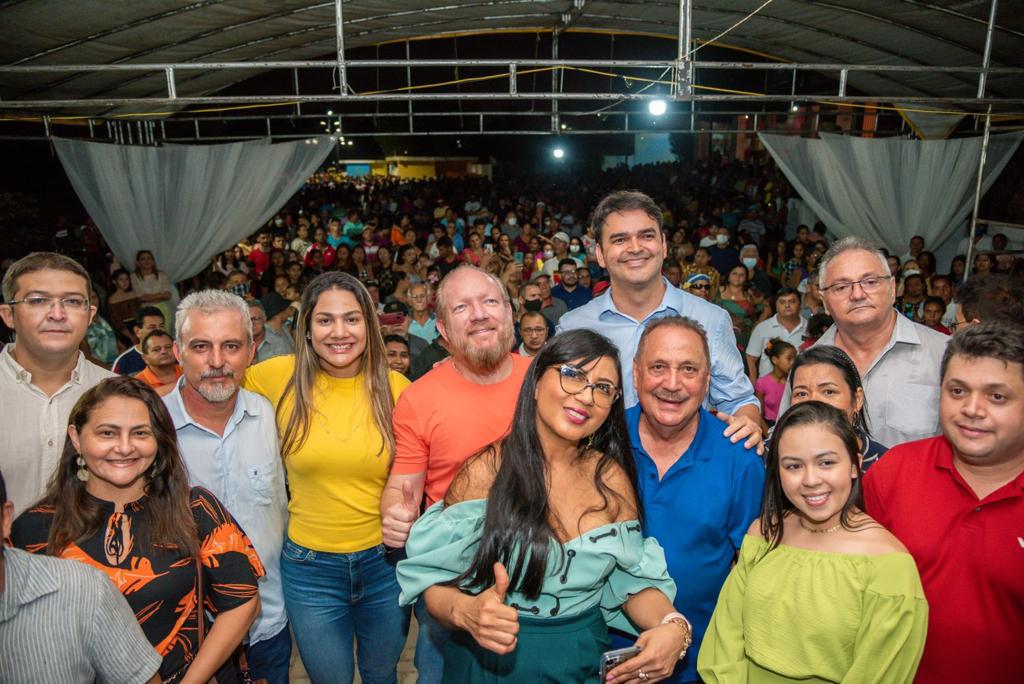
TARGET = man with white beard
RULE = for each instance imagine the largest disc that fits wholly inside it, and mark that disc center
(461, 406)
(227, 437)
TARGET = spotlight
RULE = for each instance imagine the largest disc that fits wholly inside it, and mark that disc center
(657, 107)
(351, 143)
(794, 108)
(330, 112)
(564, 127)
(558, 152)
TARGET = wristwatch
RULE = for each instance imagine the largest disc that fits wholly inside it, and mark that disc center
(685, 626)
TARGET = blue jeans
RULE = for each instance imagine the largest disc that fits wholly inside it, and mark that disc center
(269, 659)
(430, 641)
(331, 597)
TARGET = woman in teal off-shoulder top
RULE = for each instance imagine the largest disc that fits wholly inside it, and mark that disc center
(537, 548)
(821, 592)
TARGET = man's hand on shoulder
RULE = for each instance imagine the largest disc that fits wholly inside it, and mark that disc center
(745, 424)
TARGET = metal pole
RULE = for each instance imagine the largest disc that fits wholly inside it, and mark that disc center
(555, 128)
(172, 89)
(408, 82)
(340, 36)
(977, 191)
(684, 78)
(986, 55)
(295, 83)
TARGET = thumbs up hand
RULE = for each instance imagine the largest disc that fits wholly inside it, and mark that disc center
(493, 624)
(399, 517)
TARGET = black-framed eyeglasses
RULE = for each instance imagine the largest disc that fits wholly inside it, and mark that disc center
(574, 381)
(41, 303)
(870, 285)
(703, 286)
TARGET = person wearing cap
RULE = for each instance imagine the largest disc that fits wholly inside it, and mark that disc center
(395, 320)
(279, 311)
(702, 265)
(556, 250)
(269, 342)
(699, 284)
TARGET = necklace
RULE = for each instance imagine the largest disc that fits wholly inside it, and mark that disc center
(814, 531)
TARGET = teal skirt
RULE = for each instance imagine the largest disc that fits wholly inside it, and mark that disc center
(557, 650)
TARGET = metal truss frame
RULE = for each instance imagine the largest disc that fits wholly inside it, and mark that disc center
(684, 69)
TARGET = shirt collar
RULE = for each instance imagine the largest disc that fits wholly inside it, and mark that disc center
(697, 453)
(246, 404)
(11, 366)
(673, 300)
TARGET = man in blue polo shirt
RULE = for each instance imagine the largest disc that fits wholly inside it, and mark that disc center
(631, 245)
(699, 491)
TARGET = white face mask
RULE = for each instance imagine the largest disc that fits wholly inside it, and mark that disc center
(511, 220)
(279, 222)
(750, 262)
(722, 239)
(549, 253)
(574, 249)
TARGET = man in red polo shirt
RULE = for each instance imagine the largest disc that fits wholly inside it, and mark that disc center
(957, 502)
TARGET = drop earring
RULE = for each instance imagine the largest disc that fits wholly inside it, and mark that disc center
(83, 472)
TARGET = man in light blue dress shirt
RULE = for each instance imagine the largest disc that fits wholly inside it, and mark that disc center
(228, 439)
(631, 245)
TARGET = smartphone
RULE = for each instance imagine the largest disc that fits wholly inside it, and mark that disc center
(489, 248)
(518, 256)
(611, 659)
(396, 318)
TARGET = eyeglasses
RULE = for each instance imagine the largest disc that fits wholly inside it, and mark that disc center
(870, 285)
(534, 331)
(700, 287)
(574, 381)
(40, 303)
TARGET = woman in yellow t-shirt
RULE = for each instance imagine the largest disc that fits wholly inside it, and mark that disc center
(333, 400)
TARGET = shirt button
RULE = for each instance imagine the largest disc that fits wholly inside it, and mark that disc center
(50, 443)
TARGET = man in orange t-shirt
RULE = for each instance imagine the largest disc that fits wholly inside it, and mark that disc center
(162, 370)
(461, 406)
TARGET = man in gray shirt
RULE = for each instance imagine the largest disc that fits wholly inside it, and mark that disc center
(898, 359)
(62, 621)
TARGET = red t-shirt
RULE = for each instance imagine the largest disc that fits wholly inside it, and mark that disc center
(442, 419)
(970, 554)
(260, 260)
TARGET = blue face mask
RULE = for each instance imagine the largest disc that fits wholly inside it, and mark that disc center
(750, 262)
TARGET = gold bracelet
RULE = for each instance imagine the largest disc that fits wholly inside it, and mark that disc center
(687, 630)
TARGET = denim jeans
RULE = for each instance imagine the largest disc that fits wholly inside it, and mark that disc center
(269, 659)
(430, 641)
(331, 597)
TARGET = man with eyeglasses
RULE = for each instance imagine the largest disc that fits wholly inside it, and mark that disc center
(898, 359)
(42, 375)
(533, 330)
(699, 490)
(569, 289)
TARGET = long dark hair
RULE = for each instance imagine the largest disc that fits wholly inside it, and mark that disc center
(517, 530)
(297, 415)
(836, 357)
(774, 504)
(167, 519)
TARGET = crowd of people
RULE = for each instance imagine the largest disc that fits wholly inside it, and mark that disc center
(637, 441)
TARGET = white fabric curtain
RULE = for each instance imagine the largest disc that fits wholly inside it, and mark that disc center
(185, 203)
(889, 189)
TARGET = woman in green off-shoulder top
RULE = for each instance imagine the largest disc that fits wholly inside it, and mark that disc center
(820, 592)
(537, 548)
